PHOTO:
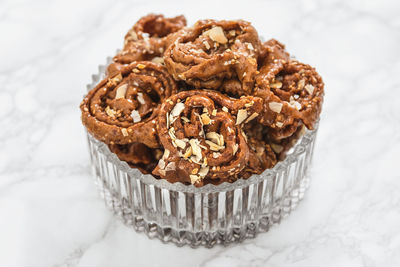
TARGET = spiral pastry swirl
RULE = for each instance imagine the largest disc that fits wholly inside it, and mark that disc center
(148, 38)
(214, 52)
(201, 132)
(122, 109)
(293, 94)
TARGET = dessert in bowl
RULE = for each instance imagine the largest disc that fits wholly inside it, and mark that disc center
(204, 134)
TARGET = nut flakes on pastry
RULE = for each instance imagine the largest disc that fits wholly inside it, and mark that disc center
(213, 52)
(201, 132)
(147, 38)
(292, 93)
(122, 109)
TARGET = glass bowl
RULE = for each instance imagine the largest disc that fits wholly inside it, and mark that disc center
(205, 216)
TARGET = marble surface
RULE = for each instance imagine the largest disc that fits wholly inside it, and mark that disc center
(51, 214)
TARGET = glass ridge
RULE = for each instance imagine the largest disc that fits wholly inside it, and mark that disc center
(212, 214)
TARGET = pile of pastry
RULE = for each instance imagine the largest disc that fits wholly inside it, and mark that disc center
(210, 103)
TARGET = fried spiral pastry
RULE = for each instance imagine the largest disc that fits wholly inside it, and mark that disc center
(122, 109)
(262, 156)
(137, 155)
(201, 133)
(293, 94)
(214, 52)
(148, 38)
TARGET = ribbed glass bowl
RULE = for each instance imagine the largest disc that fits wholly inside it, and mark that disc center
(186, 215)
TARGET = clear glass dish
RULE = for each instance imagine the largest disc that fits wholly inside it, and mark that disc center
(186, 215)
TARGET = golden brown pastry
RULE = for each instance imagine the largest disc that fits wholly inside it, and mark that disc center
(201, 105)
(147, 38)
(201, 132)
(122, 109)
(214, 52)
(292, 93)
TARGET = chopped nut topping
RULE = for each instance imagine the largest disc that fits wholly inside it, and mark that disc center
(170, 167)
(180, 143)
(171, 133)
(279, 124)
(196, 150)
(140, 98)
(275, 106)
(247, 105)
(195, 170)
(124, 132)
(235, 148)
(252, 117)
(158, 60)
(276, 85)
(260, 151)
(216, 34)
(185, 119)
(309, 88)
(216, 138)
(277, 148)
(194, 159)
(194, 179)
(214, 112)
(167, 118)
(203, 171)
(135, 116)
(207, 45)
(110, 112)
(141, 66)
(205, 119)
(225, 109)
(241, 116)
(166, 154)
(216, 155)
(114, 81)
(121, 91)
(177, 110)
(253, 61)
(135, 70)
(214, 146)
(297, 105)
(133, 35)
(188, 152)
(161, 164)
(294, 103)
(301, 83)
(244, 135)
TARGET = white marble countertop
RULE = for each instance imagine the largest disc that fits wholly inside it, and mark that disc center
(51, 214)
